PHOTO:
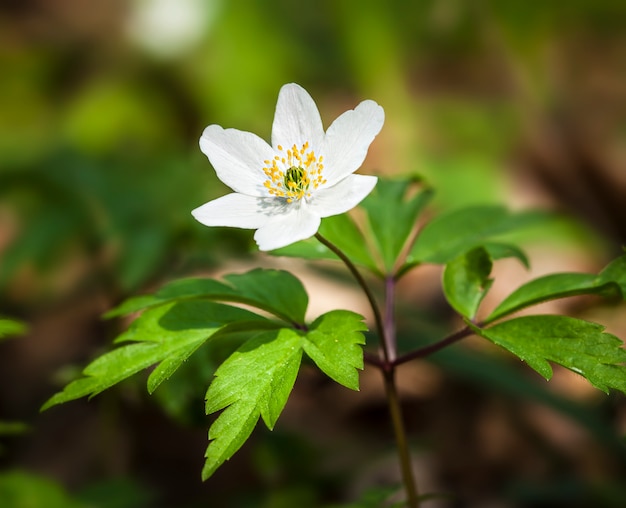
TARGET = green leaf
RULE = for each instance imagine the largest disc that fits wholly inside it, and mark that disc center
(333, 341)
(610, 282)
(615, 272)
(579, 345)
(169, 333)
(20, 489)
(342, 232)
(466, 281)
(9, 327)
(13, 428)
(392, 209)
(498, 250)
(275, 291)
(255, 381)
(454, 233)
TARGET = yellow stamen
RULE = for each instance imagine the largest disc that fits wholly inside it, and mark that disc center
(291, 174)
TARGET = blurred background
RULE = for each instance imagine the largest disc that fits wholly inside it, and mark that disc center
(101, 107)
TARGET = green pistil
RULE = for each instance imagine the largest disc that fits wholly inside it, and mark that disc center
(296, 179)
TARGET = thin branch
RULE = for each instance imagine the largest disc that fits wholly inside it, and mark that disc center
(433, 348)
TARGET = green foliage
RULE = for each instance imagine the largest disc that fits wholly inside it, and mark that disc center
(117, 493)
(10, 327)
(261, 356)
(253, 381)
(340, 230)
(166, 335)
(392, 210)
(454, 233)
(609, 282)
(579, 345)
(466, 281)
(257, 378)
(332, 343)
(24, 490)
(13, 428)
(275, 291)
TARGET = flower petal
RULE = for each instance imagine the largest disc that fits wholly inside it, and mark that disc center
(238, 211)
(342, 196)
(237, 157)
(298, 224)
(348, 139)
(297, 119)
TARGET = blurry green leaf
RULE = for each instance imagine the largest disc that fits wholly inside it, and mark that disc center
(332, 342)
(109, 113)
(466, 281)
(342, 232)
(10, 327)
(13, 428)
(579, 345)
(255, 381)
(168, 334)
(615, 272)
(53, 216)
(392, 212)
(24, 490)
(143, 252)
(454, 233)
(506, 250)
(610, 282)
(274, 291)
(257, 378)
(117, 493)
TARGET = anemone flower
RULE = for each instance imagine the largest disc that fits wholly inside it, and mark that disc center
(284, 190)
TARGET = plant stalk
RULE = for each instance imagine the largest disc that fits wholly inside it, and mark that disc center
(402, 444)
(389, 342)
(387, 333)
(361, 281)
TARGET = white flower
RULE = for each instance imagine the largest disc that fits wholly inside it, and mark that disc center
(284, 190)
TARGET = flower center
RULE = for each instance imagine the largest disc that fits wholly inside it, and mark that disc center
(293, 173)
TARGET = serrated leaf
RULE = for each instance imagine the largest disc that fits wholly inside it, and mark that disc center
(275, 291)
(254, 381)
(333, 343)
(342, 232)
(466, 281)
(391, 213)
(579, 345)
(10, 327)
(610, 282)
(170, 333)
(454, 233)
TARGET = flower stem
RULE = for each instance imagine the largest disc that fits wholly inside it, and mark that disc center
(359, 278)
(387, 365)
(401, 441)
(395, 409)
